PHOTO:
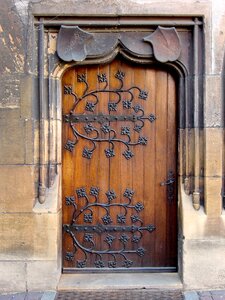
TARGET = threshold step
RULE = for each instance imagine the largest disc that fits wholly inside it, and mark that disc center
(70, 282)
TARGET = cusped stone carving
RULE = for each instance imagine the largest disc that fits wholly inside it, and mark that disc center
(166, 44)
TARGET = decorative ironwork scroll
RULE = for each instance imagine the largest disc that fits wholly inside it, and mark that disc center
(94, 133)
(84, 236)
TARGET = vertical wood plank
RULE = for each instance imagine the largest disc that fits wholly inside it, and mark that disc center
(161, 170)
(171, 166)
(143, 173)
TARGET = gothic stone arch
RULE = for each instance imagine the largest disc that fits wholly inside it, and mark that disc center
(175, 44)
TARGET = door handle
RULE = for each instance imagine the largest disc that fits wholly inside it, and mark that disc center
(170, 187)
(167, 182)
(170, 179)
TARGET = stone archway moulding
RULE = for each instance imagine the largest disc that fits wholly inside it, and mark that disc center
(174, 43)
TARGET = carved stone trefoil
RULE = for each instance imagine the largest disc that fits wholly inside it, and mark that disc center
(72, 43)
(76, 44)
(166, 44)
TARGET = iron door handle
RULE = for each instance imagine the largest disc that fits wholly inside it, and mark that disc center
(170, 187)
(168, 182)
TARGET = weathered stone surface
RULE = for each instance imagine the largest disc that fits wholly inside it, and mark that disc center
(11, 35)
(43, 275)
(9, 90)
(213, 197)
(29, 97)
(200, 226)
(12, 58)
(218, 36)
(29, 236)
(213, 110)
(17, 188)
(213, 151)
(203, 265)
(116, 7)
(29, 155)
(120, 281)
(12, 276)
(12, 150)
(53, 198)
(34, 238)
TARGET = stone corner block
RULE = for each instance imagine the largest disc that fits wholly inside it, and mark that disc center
(200, 272)
(213, 108)
(213, 151)
(43, 275)
(30, 237)
(17, 186)
(12, 277)
(12, 150)
(213, 196)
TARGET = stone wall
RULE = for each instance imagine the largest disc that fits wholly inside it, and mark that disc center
(30, 233)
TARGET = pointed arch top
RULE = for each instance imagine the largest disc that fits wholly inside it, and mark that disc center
(175, 44)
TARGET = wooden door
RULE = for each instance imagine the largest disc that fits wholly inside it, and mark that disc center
(119, 168)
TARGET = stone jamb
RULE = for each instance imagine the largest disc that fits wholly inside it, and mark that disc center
(50, 74)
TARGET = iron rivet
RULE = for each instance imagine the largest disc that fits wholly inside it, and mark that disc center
(85, 228)
(86, 118)
(95, 118)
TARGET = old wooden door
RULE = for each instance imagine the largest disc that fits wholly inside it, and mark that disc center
(119, 168)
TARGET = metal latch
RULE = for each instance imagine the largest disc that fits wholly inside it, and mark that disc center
(170, 187)
(168, 182)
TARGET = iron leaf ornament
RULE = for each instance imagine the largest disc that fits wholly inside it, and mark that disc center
(94, 133)
(166, 44)
(72, 43)
(122, 235)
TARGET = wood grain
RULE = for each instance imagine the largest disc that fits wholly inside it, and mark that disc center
(143, 173)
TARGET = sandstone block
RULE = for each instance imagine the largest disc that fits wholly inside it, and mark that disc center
(218, 36)
(12, 150)
(213, 201)
(213, 109)
(200, 272)
(201, 226)
(43, 275)
(213, 151)
(30, 236)
(17, 188)
(12, 276)
(115, 7)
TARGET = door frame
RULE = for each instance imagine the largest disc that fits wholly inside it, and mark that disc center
(173, 232)
(189, 99)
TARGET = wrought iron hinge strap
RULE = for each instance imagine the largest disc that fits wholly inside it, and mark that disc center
(100, 118)
(100, 228)
(123, 233)
(92, 133)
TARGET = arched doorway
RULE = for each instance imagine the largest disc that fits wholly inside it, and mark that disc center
(119, 168)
